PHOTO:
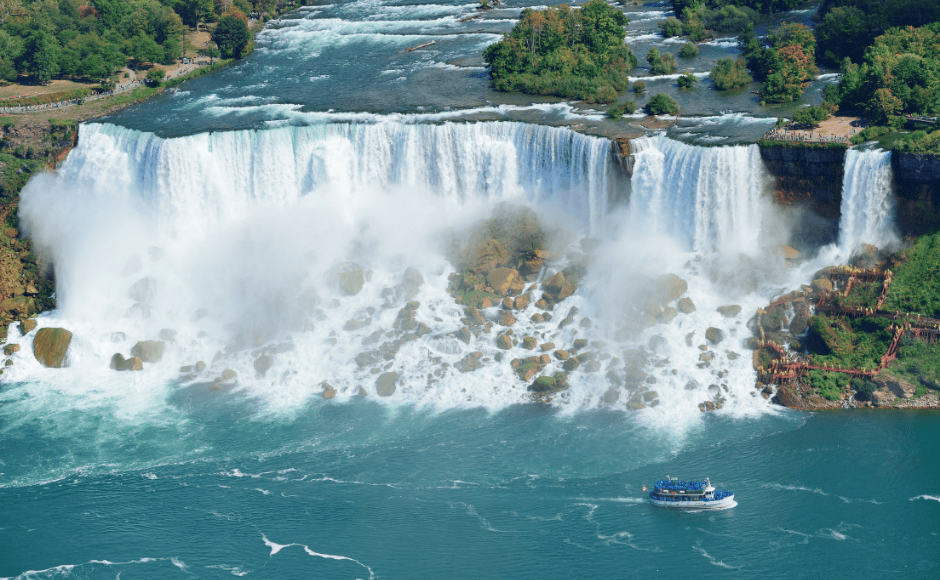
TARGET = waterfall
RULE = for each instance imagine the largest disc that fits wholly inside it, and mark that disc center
(707, 198)
(191, 182)
(867, 200)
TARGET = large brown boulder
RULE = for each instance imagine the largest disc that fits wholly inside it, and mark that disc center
(149, 351)
(729, 311)
(898, 386)
(51, 345)
(788, 397)
(558, 288)
(685, 305)
(351, 281)
(484, 255)
(670, 287)
(552, 384)
(501, 280)
(822, 285)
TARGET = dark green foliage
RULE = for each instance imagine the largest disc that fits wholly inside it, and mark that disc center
(661, 64)
(764, 6)
(916, 285)
(919, 363)
(661, 104)
(40, 56)
(864, 388)
(813, 116)
(920, 142)
(622, 109)
(900, 73)
(730, 74)
(856, 344)
(686, 80)
(688, 50)
(671, 27)
(828, 384)
(155, 76)
(639, 87)
(731, 18)
(231, 35)
(144, 49)
(786, 65)
(847, 27)
(567, 53)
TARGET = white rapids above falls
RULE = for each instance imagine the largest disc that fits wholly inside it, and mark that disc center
(236, 241)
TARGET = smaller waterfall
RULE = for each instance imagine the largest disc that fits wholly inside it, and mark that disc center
(706, 198)
(868, 207)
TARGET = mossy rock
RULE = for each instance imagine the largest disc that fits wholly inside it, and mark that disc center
(50, 347)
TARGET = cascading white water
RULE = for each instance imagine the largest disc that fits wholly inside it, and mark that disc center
(244, 233)
(867, 200)
(709, 199)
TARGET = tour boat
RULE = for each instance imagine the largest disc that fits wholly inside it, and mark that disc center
(671, 492)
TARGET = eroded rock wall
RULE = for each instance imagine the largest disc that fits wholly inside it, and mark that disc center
(917, 189)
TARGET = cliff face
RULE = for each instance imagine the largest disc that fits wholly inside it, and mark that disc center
(917, 188)
(808, 181)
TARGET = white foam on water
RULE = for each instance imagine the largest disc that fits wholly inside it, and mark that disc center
(714, 561)
(926, 497)
(698, 75)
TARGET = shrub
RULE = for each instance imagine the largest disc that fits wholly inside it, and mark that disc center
(731, 19)
(671, 27)
(661, 64)
(661, 104)
(813, 116)
(730, 74)
(639, 87)
(622, 109)
(231, 35)
(686, 80)
(689, 50)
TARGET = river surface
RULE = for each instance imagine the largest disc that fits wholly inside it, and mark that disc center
(218, 219)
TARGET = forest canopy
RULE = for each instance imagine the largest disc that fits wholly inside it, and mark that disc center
(577, 54)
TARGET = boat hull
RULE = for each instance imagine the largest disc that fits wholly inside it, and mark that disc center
(701, 505)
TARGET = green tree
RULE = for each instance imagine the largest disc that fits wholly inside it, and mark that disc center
(193, 11)
(671, 27)
(143, 48)
(639, 87)
(40, 56)
(688, 50)
(841, 33)
(661, 63)
(730, 74)
(10, 49)
(155, 76)
(661, 104)
(686, 80)
(231, 36)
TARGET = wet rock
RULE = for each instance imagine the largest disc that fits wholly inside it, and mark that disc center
(580, 343)
(27, 326)
(51, 345)
(537, 318)
(898, 386)
(529, 367)
(571, 364)
(800, 321)
(149, 351)
(228, 374)
(352, 325)
(484, 255)
(413, 282)
(464, 335)
(10, 349)
(168, 335)
(263, 363)
(351, 281)
(119, 363)
(470, 362)
(360, 392)
(529, 343)
(714, 335)
(822, 285)
(670, 287)
(386, 384)
(610, 396)
(134, 364)
(328, 391)
(522, 302)
(502, 280)
(558, 287)
(546, 385)
(658, 344)
(668, 314)
(473, 316)
(200, 366)
(504, 341)
(729, 311)
(507, 319)
(547, 346)
(592, 366)
(649, 396)
(788, 397)
(143, 290)
(562, 354)
(635, 403)
(733, 356)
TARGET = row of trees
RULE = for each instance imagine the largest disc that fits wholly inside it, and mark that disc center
(785, 65)
(91, 39)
